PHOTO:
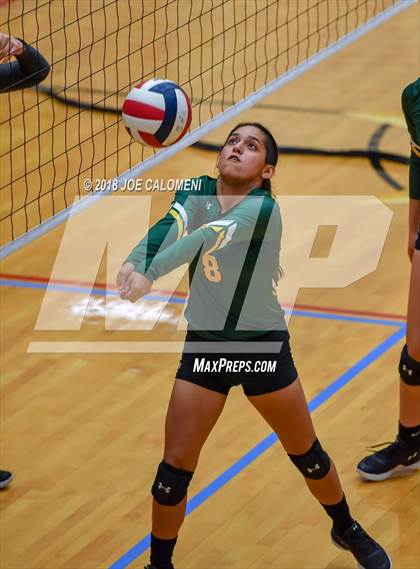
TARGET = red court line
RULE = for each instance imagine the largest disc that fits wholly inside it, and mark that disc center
(184, 295)
(78, 283)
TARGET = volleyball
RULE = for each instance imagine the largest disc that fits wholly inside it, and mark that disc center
(157, 112)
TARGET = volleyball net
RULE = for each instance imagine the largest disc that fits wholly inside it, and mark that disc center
(221, 52)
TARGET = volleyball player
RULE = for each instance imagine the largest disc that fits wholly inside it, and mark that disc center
(233, 248)
(29, 69)
(404, 453)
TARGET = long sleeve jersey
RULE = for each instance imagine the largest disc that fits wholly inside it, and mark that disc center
(29, 69)
(233, 260)
(410, 101)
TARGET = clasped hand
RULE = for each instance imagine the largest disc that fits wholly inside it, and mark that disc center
(132, 285)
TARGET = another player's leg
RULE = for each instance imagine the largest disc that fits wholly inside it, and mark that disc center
(287, 413)
(404, 453)
(192, 413)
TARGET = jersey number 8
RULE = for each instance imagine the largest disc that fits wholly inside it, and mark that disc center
(211, 268)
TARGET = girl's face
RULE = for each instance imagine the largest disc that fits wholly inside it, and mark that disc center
(242, 158)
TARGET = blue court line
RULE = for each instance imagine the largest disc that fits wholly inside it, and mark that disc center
(181, 300)
(83, 290)
(343, 317)
(57, 287)
(268, 442)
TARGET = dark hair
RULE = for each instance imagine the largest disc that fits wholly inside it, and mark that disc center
(271, 149)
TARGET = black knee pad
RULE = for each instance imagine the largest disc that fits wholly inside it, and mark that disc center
(170, 485)
(313, 464)
(409, 369)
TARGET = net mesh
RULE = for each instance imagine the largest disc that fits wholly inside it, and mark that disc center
(68, 129)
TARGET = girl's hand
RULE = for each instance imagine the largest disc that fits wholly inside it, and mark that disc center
(132, 285)
(9, 46)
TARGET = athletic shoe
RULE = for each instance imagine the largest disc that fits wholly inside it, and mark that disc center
(368, 553)
(154, 567)
(382, 464)
(5, 478)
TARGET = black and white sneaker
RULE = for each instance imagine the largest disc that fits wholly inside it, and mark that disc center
(394, 458)
(368, 553)
(5, 478)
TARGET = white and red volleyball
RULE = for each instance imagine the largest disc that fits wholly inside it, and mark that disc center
(157, 112)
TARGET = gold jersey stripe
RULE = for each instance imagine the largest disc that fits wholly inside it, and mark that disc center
(415, 148)
(219, 240)
(179, 222)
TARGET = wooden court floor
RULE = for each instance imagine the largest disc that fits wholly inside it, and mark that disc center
(83, 432)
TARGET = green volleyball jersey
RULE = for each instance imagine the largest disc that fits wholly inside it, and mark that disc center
(410, 101)
(233, 259)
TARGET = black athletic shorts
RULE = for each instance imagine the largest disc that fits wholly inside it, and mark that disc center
(258, 372)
